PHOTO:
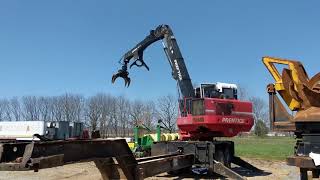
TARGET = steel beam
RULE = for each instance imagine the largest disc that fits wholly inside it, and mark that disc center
(301, 162)
(156, 166)
(113, 158)
(22, 156)
(110, 168)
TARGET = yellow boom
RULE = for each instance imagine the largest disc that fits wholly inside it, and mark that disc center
(294, 86)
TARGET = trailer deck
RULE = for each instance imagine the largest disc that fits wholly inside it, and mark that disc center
(113, 158)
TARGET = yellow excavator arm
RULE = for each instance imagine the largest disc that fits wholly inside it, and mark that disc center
(298, 91)
(294, 86)
(296, 68)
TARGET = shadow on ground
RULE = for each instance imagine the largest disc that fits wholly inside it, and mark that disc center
(241, 171)
(247, 173)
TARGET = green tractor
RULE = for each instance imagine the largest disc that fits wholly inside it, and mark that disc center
(143, 141)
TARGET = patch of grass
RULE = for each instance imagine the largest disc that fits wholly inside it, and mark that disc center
(272, 148)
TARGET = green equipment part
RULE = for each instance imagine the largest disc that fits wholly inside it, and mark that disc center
(143, 141)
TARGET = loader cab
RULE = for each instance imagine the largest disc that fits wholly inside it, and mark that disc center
(195, 106)
(216, 90)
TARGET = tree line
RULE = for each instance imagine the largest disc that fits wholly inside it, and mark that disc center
(260, 111)
(112, 115)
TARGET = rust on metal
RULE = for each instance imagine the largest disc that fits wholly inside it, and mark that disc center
(113, 158)
(284, 126)
(298, 91)
(314, 83)
(301, 161)
(280, 119)
(309, 115)
(35, 153)
(300, 87)
(223, 170)
(156, 166)
(271, 89)
(110, 168)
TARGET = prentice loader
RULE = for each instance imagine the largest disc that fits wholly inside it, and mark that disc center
(205, 112)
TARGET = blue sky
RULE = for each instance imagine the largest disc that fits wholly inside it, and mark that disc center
(53, 47)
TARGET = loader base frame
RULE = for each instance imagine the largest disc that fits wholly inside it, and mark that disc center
(217, 156)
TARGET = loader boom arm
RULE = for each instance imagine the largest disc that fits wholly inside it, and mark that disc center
(172, 50)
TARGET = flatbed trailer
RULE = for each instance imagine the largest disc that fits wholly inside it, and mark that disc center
(115, 160)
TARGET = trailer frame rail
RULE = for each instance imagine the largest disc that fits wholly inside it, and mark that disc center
(113, 158)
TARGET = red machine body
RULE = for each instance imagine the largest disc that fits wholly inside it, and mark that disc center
(218, 118)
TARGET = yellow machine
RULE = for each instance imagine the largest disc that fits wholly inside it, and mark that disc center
(298, 91)
(301, 94)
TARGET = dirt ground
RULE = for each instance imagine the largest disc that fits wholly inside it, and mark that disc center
(273, 170)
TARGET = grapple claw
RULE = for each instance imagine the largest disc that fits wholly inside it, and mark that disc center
(127, 81)
(114, 77)
(123, 74)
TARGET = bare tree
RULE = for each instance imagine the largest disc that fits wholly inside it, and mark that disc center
(104, 104)
(30, 106)
(242, 93)
(167, 110)
(137, 111)
(114, 117)
(123, 108)
(57, 108)
(2, 110)
(150, 114)
(93, 111)
(44, 105)
(79, 108)
(260, 109)
(15, 108)
(72, 107)
(5, 112)
(67, 111)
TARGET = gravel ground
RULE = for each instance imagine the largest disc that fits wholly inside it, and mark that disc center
(87, 171)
